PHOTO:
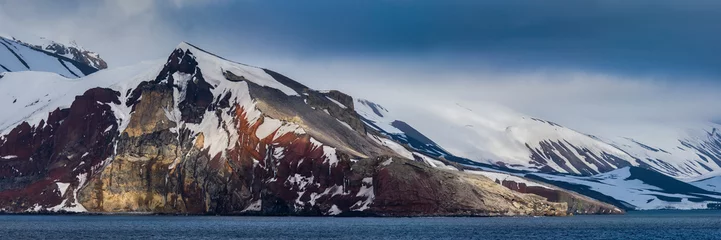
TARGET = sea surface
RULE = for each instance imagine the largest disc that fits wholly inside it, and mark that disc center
(683, 225)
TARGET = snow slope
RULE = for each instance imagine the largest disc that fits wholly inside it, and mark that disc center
(710, 184)
(635, 188)
(686, 151)
(15, 56)
(51, 91)
(70, 50)
(499, 136)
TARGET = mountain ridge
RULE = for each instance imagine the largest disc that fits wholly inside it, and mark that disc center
(201, 134)
(17, 56)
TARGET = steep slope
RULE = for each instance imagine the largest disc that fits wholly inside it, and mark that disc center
(200, 134)
(16, 56)
(503, 138)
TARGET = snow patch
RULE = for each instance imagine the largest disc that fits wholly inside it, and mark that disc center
(334, 210)
(254, 207)
(62, 187)
(397, 148)
(367, 192)
(336, 102)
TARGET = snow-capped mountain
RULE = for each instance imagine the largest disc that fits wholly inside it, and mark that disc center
(201, 134)
(16, 56)
(685, 151)
(502, 137)
(633, 184)
(69, 50)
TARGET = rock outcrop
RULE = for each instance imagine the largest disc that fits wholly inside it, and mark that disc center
(405, 188)
(577, 203)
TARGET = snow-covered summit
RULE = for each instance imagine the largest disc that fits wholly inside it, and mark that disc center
(71, 49)
(221, 68)
(16, 56)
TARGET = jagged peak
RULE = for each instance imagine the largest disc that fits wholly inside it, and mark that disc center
(217, 68)
(186, 46)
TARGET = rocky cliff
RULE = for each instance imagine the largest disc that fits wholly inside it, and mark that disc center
(203, 135)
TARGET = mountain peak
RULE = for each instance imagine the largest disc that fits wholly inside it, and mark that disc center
(197, 51)
(186, 45)
(216, 68)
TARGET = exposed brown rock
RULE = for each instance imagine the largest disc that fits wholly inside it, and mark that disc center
(346, 114)
(405, 188)
(577, 204)
(72, 142)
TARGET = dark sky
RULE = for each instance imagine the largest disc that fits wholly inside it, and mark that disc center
(639, 36)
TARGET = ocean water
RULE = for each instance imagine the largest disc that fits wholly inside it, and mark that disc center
(684, 225)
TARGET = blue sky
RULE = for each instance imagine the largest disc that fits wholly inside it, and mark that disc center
(607, 61)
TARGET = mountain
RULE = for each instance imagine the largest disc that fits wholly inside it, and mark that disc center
(499, 137)
(70, 50)
(203, 135)
(530, 155)
(508, 140)
(16, 56)
(685, 151)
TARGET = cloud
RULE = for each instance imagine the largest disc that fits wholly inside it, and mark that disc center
(586, 101)
(122, 32)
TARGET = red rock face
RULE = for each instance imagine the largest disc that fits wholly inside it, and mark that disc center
(72, 142)
(162, 170)
(291, 173)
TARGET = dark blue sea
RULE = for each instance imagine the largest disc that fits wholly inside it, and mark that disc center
(683, 225)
